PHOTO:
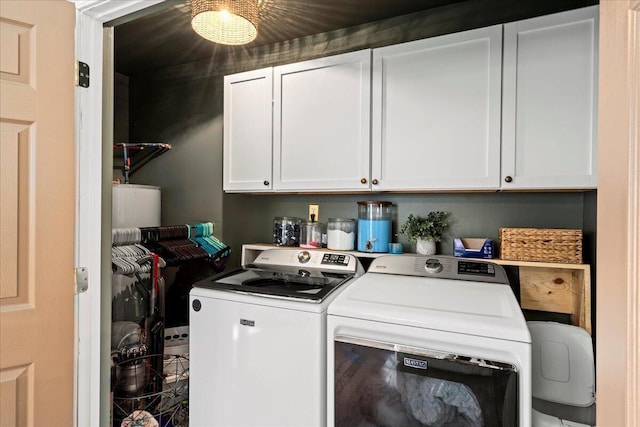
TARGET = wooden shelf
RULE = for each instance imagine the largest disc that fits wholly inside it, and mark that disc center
(544, 286)
(555, 288)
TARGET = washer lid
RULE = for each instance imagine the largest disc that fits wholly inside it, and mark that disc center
(465, 307)
(297, 284)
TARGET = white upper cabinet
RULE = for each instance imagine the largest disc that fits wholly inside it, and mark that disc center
(322, 124)
(248, 124)
(550, 101)
(510, 107)
(436, 112)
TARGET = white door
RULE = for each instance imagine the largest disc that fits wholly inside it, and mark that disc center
(248, 122)
(37, 195)
(322, 123)
(550, 101)
(436, 112)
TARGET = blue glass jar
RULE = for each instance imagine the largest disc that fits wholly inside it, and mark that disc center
(374, 226)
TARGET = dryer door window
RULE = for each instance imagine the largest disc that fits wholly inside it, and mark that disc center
(390, 385)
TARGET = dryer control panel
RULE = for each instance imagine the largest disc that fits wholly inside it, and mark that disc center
(476, 268)
(444, 267)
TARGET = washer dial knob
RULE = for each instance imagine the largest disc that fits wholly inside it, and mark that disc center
(304, 257)
(433, 266)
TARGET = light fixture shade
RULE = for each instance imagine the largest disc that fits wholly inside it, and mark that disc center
(231, 22)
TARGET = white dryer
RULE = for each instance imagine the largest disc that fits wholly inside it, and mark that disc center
(428, 341)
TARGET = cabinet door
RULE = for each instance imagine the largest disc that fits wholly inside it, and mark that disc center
(550, 101)
(321, 123)
(436, 112)
(248, 121)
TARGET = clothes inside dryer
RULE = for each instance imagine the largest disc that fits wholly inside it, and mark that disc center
(428, 342)
(410, 388)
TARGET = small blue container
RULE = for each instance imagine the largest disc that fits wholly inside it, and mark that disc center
(395, 248)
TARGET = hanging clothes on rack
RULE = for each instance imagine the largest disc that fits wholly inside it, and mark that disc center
(192, 253)
(128, 256)
(178, 244)
(202, 235)
(171, 242)
(136, 284)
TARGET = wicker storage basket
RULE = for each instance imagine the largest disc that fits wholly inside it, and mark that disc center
(541, 244)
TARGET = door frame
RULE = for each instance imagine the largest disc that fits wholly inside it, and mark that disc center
(618, 227)
(92, 382)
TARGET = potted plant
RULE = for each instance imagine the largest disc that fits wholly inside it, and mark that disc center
(426, 231)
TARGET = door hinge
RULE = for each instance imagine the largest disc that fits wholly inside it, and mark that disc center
(82, 279)
(82, 74)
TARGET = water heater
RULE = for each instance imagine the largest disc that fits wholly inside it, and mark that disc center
(135, 206)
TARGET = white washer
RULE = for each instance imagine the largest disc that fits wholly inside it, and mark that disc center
(428, 341)
(258, 340)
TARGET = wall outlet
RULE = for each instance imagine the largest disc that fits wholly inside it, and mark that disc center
(314, 213)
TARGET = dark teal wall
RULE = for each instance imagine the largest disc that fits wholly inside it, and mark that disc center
(182, 105)
(471, 214)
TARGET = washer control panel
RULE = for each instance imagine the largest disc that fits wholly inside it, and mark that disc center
(311, 259)
(335, 259)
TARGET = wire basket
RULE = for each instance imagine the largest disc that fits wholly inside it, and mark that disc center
(151, 391)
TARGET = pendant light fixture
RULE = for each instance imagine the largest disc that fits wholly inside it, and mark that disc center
(230, 22)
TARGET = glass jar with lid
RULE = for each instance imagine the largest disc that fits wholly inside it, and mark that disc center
(310, 234)
(341, 234)
(374, 226)
(286, 231)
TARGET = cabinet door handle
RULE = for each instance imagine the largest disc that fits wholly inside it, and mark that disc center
(266, 182)
(374, 182)
(363, 180)
(508, 179)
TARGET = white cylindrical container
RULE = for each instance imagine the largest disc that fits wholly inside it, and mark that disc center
(135, 206)
(341, 234)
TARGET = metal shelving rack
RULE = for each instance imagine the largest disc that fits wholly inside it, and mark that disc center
(137, 154)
